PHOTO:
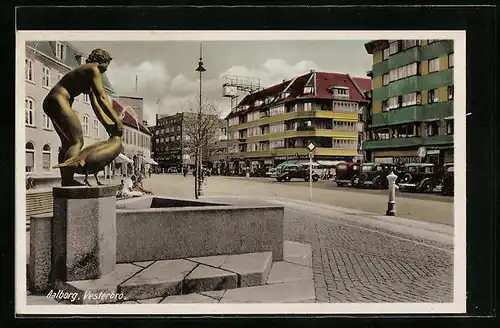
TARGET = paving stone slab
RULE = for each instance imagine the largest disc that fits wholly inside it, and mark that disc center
(162, 278)
(289, 292)
(285, 271)
(155, 300)
(189, 298)
(215, 261)
(252, 268)
(98, 291)
(217, 294)
(143, 264)
(297, 253)
(205, 278)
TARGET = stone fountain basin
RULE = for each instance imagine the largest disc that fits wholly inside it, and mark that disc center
(154, 228)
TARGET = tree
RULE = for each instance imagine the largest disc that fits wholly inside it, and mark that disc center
(200, 130)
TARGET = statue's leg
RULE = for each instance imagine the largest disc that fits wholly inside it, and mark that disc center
(67, 126)
(86, 180)
(96, 179)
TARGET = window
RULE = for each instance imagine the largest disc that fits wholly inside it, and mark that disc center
(385, 54)
(393, 75)
(29, 106)
(86, 128)
(29, 70)
(406, 44)
(433, 96)
(307, 106)
(409, 99)
(96, 128)
(46, 122)
(86, 98)
(385, 79)
(393, 47)
(450, 92)
(45, 76)
(46, 158)
(450, 60)
(393, 103)
(434, 65)
(432, 129)
(30, 157)
(449, 127)
(308, 90)
(432, 41)
(385, 106)
(60, 51)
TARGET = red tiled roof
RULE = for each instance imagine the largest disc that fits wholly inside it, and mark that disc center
(364, 83)
(128, 119)
(324, 83)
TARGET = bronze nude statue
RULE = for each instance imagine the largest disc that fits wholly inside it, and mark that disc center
(87, 78)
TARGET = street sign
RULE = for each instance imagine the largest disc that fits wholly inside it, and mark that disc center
(311, 147)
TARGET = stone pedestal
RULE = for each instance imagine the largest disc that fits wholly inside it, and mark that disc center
(83, 232)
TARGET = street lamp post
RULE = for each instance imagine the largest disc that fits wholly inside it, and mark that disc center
(310, 147)
(200, 69)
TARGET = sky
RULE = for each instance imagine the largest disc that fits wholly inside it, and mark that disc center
(167, 79)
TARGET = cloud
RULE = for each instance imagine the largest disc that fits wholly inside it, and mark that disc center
(273, 71)
(152, 77)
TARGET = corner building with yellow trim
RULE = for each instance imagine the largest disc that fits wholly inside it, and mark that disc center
(277, 123)
(412, 101)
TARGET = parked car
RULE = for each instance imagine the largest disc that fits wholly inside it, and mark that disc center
(421, 177)
(375, 174)
(172, 169)
(271, 171)
(293, 171)
(447, 184)
(345, 173)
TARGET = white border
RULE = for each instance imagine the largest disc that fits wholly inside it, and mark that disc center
(459, 304)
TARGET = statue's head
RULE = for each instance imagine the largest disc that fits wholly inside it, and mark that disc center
(100, 57)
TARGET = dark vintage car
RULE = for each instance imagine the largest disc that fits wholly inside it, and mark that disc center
(447, 184)
(421, 177)
(345, 172)
(288, 172)
(374, 175)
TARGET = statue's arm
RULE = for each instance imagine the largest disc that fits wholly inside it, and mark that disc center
(102, 100)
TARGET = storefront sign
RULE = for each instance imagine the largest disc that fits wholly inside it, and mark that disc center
(433, 152)
(407, 159)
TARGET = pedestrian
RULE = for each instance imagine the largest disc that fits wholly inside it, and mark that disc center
(150, 171)
(248, 173)
(185, 171)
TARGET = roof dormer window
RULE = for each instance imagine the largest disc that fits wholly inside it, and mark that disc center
(284, 95)
(308, 90)
(60, 51)
(340, 91)
(257, 103)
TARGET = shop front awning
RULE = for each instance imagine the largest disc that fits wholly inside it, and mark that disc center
(123, 159)
(329, 163)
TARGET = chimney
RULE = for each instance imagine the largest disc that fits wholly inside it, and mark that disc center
(311, 71)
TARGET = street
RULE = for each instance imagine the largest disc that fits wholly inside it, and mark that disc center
(359, 255)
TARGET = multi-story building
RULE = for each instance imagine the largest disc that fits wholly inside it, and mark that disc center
(136, 138)
(412, 101)
(45, 64)
(218, 155)
(277, 123)
(171, 141)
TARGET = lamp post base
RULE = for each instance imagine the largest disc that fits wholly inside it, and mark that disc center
(391, 208)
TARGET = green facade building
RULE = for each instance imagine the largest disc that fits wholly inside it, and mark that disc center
(411, 117)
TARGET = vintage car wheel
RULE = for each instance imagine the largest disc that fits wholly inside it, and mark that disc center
(376, 182)
(406, 178)
(427, 186)
(278, 179)
(339, 184)
(315, 178)
(354, 181)
(362, 178)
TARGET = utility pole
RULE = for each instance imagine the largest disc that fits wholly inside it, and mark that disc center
(199, 181)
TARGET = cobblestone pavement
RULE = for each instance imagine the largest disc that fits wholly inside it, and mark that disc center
(356, 260)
